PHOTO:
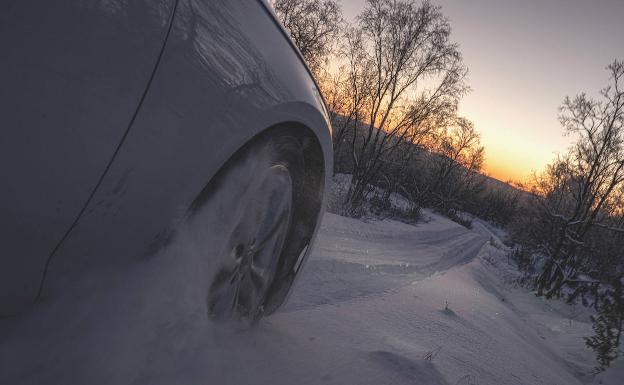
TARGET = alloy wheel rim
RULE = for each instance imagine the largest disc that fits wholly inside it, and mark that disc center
(245, 274)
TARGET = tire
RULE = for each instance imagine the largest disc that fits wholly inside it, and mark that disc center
(261, 211)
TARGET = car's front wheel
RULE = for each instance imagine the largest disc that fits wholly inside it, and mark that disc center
(261, 203)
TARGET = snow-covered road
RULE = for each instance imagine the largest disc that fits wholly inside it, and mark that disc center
(353, 259)
(379, 302)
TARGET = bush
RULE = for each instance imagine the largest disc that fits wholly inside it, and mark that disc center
(458, 217)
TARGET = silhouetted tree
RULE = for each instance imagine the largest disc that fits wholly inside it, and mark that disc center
(404, 44)
(575, 222)
(608, 324)
(347, 92)
(578, 191)
(314, 26)
(454, 170)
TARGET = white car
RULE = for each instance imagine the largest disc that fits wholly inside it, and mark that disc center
(121, 119)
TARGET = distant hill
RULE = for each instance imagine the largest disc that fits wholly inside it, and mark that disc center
(343, 161)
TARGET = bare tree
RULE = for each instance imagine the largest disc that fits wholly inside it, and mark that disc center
(347, 92)
(500, 204)
(576, 221)
(431, 118)
(314, 26)
(580, 189)
(413, 66)
(455, 167)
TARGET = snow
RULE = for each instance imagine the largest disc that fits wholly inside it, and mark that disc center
(340, 186)
(376, 298)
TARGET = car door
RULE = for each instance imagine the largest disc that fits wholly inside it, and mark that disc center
(72, 75)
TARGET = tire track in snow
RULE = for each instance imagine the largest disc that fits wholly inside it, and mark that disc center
(364, 260)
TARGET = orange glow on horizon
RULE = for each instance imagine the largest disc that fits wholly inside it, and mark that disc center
(505, 172)
(517, 147)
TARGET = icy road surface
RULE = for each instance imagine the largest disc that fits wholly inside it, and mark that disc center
(379, 302)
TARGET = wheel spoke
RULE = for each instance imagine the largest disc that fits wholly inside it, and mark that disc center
(277, 208)
(225, 276)
(222, 301)
(259, 278)
(279, 223)
(223, 293)
(236, 297)
(248, 299)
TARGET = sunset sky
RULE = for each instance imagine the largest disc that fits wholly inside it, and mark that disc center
(524, 57)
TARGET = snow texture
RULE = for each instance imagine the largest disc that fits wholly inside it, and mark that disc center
(379, 302)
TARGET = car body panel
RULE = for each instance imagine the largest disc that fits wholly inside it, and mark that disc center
(73, 73)
(227, 74)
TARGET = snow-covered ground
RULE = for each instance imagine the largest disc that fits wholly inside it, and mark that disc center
(379, 302)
